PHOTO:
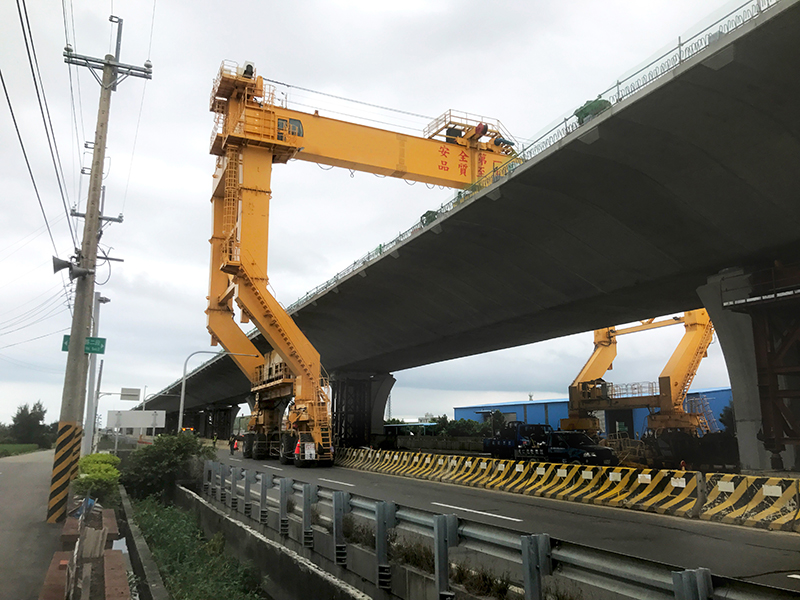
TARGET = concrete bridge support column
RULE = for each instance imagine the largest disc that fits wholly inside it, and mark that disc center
(359, 402)
(735, 333)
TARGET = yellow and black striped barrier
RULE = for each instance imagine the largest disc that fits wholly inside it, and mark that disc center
(765, 502)
(770, 503)
(65, 465)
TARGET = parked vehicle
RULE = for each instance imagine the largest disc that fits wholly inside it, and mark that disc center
(574, 447)
(511, 436)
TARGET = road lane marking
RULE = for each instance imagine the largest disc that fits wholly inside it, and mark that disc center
(271, 467)
(794, 576)
(237, 459)
(477, 512)
(339, 482)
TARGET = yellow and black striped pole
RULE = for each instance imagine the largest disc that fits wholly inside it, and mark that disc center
(64, 468)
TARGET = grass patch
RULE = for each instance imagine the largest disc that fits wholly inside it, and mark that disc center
(415, 554)
(191, 566)
(358, 533)
(14, 449)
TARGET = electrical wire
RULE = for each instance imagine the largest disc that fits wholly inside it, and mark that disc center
(297, 87)
(27, 162)
(141, 107)
(44, 109)
(35, 338)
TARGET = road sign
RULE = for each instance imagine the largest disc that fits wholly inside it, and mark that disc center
(136, 418)
(94, 345)
(130, 394)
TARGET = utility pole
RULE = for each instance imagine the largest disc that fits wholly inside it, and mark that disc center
(68, 442)
(91, 397)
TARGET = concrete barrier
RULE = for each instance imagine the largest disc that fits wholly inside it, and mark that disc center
(440, 464)
(384, 461)
(519, 476)
(399, 463)
(542, 475)
(665, 492)
(503, 471)
(469, 471)
(585, 482)
(564, 479)
(455, 468)
(765, 502)
(421, 465)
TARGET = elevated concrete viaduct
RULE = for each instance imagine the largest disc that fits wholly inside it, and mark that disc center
(667, 192)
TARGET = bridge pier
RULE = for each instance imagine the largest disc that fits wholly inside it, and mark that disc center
(359, 402)
(765, 398)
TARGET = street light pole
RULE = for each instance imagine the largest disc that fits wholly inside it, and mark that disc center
(91, 399)
(183, 380)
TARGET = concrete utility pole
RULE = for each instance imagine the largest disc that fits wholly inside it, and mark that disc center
(91, 397)
(68, 442)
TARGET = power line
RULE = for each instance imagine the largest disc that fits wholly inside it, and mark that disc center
(35, 338)
(38, 85)
(141, 107)
(27, 162)
(297, 87)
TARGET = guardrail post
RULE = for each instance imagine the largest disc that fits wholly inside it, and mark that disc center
(214, 472)
(445, 535)
(266, 483)
(236, 474)
(692, 584)
(536, 563)
(341, 505)
(309, 498)
(223, 493)
(384, 520)
(207, 468)
(285, 487)
(250, 477)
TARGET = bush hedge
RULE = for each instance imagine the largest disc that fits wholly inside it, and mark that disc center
(98, 477)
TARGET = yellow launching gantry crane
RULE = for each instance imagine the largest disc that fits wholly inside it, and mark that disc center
(589, 392)
(252, 133)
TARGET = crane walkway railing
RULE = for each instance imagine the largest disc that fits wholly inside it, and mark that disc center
(526, 559)
(623, 89)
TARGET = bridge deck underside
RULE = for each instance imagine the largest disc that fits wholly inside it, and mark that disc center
(621, 220)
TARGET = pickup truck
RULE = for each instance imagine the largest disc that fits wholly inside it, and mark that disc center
(574, 447)
(511, 436)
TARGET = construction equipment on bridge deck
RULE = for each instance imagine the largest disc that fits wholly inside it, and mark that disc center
(589, 392)
(252, 132)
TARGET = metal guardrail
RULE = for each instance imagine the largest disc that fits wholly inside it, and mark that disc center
(533, 556)
(622, 90)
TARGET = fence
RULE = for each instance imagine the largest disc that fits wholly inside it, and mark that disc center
(529, 559)
(622, 90)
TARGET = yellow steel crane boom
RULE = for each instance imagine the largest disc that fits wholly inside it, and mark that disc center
(589, 392)
(251, 133)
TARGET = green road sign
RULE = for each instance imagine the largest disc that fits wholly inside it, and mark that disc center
(94, 345)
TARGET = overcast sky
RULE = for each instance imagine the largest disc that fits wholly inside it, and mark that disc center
(524, 63)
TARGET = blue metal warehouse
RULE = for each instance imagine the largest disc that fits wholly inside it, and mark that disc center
(552, 411)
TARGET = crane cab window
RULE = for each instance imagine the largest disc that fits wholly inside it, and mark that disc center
(294, 127)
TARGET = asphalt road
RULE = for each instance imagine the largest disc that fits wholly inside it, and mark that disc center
(766, 557)
(27, 542)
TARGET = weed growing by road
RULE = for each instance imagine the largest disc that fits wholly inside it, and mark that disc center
(358, 533)
(191, 566)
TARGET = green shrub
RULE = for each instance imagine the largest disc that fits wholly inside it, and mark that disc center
(99, 482)
(192, 567)
(105, 459)
(98, 477)
(155, 468)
